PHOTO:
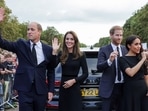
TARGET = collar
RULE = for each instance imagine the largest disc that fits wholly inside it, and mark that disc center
(38, 44)
(115, 47)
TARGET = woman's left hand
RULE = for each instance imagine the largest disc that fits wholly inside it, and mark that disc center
(69, 83)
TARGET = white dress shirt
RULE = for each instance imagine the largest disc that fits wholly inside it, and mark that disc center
(115, 49)
(39, 51)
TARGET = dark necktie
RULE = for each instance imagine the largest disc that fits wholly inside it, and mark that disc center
(118, 68)
(34, 54)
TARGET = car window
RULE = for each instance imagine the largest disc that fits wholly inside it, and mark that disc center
(91, 63)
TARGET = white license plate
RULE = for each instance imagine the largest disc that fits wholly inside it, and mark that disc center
(90, 92)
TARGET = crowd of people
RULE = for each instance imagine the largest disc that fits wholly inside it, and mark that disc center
(124, 81)
(8, 65)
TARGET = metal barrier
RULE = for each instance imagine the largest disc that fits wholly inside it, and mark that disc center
(7, 94)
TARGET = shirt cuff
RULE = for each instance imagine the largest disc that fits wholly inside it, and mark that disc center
(109, 62)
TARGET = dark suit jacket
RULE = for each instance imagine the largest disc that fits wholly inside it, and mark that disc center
(108, 76)
(27, 71)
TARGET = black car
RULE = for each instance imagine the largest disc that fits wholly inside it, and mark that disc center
(89, 88)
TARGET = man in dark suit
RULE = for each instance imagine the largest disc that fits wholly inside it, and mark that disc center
(30, 78)
(110, 86)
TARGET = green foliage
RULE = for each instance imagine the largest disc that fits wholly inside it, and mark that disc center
(49, 34)
(137, 24)
(83, 45)
(103, 41)
(23, 29)
(10, 26)
(11, 30)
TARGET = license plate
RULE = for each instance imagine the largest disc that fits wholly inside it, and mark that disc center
(90, 92)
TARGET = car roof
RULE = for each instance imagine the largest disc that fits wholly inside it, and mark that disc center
(90, 52)
(89, 49)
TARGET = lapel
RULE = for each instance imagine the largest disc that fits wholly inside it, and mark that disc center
(114, 62)
(110, 49)
(45, 51)
(123, 50)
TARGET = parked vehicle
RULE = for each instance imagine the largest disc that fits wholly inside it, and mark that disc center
(89, 88)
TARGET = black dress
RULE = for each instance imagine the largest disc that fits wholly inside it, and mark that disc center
(70, 99)
(135, 89)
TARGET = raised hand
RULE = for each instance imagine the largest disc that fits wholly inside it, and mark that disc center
(2, 12)
(144, 54)
(113, 55)
(55, 45)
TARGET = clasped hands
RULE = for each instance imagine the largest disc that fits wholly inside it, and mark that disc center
(69, 83)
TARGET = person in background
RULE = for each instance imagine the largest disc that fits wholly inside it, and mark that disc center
(135, 75)
(8, 76)
(9, 67)
(71, 59)
(110, 88)
(2, 72)
(37, 62)
(2, 68)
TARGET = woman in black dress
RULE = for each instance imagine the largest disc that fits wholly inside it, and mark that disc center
(71, 60)
(135, 75)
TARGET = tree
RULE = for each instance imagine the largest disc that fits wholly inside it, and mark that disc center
(23, 31)
(137, 24)
(49, 34)
(10, 26)
(103, 41)
(83, 45)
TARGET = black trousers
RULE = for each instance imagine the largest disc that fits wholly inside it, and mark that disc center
(31, 101)
(114, 102)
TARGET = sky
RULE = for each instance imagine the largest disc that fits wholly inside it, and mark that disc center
(90, 19)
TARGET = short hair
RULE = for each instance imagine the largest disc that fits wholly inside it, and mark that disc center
(39, 27)
(116, 27)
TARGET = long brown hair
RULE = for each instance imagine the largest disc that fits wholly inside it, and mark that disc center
(76, 50)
